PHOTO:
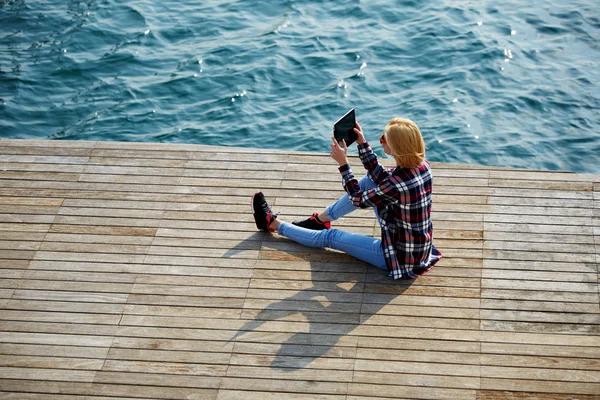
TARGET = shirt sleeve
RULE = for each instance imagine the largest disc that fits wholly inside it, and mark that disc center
(385, 193)
(375, 170)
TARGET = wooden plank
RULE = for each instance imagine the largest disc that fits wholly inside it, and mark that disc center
(284, 386)
(537, 237)
(24, 227)
(137, 162)
(421, 368)
(303, 315)
(87, 257)
(177, 345)
(162, 386)
(19, 245)
(18, 254)
(545, 362)
(531, 305)
(182, 368)
(130, 152)
(514, 209)
(58, 328)
(149, 358)
(369, 356)
(291, 374)
(32, 361)
(20, 386)
(149, 181)
(47, 374)
(320, 355)
(538, 247)
(531, 294)
(243, 395)
(99, 239)
(8, 264)
(46, 396)
(40, 176)
(83, 297)
(46, 350)
(74, 318)
(106, 221)
(501, 395)
(17, 237)
(542, 316)
(103, 230)
(75, 286)
(589, 277)
(578, 203)
(64, 168)
(540, 374)
(122, 170)
(42, 159)
(110, 212)
(175, 290)
(577, 287)
(534, 219)
(30, 201)
(539, 266)
(582, 354)
(204, 267)
(170, 280)
(543, 185)
(55, 339)
(227, 173)
(415, 380)
(199, 312)
(64, 306)
(100, 391)
(5, 296)
(518, 192)
(540, 327)
(535, 256)
(386, 390)
(26, 219)
(19, 145)
(543, 176)
(115, 204)
(187, 301)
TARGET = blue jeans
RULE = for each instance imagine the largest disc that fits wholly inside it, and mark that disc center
(364, 248)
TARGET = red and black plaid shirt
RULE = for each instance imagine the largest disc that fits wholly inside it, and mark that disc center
(403, 201)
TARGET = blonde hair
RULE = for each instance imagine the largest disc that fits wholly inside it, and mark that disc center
(406, 143)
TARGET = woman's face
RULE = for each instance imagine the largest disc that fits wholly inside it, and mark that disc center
(383, 142)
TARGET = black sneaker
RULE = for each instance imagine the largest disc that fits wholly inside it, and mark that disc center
(263, 216)
(313, 223)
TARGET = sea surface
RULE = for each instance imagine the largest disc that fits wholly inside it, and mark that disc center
(509, 83)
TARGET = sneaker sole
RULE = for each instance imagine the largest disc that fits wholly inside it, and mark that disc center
(252, 209)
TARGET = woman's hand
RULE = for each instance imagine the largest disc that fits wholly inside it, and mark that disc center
(361, 137)
(339, 152)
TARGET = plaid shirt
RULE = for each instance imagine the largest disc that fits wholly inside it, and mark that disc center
(403, 201)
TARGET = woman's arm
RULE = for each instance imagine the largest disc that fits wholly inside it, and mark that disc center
(384, 194)
(374, 169)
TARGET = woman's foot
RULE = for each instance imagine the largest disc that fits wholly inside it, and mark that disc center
(313, 223)
(263, 216)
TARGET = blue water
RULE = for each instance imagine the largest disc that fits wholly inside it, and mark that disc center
(511, 83)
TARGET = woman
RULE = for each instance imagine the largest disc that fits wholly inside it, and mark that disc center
(400, 196)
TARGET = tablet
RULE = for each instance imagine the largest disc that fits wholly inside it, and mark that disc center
(344, 128)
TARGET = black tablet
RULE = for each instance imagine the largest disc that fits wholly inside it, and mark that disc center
(344, 128)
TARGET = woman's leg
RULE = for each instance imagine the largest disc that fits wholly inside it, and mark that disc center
(343, 206)
(364, 248)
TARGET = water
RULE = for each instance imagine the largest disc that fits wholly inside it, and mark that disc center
(509, 83)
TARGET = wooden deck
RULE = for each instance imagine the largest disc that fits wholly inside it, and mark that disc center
(135, 271)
